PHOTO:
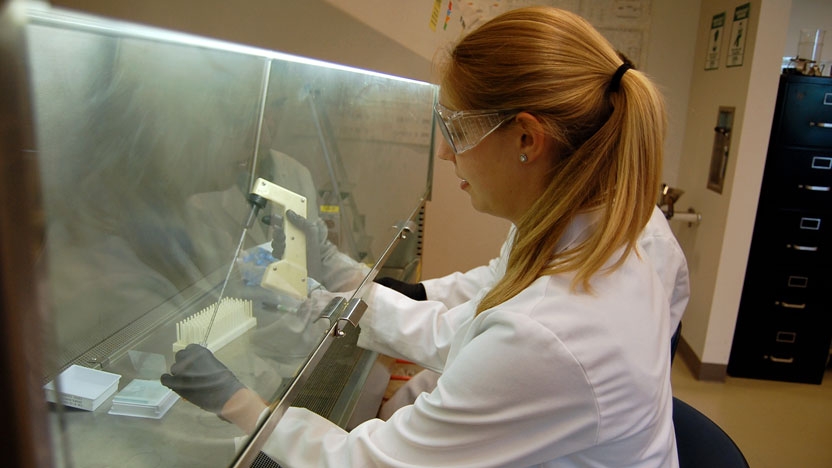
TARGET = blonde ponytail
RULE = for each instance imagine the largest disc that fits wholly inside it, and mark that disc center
(556, 66)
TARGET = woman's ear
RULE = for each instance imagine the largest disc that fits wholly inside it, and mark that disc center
(534, 142)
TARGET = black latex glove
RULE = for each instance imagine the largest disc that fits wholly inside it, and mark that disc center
(279, 237)
(201, 378)
(313, 243)
(415, 291)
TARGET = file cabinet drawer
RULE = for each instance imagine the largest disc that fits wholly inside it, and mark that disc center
(800, 178)
(796, 237)
(807, 115)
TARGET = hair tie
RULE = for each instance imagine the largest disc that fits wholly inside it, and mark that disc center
(615, 83)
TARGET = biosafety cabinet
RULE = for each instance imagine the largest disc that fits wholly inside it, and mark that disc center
(148, 174)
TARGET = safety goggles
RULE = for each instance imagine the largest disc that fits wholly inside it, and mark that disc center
(464, 130)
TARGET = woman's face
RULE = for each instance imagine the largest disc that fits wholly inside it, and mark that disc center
(491, 173)
(499, 181)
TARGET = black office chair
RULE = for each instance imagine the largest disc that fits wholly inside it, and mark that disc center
(701, 442)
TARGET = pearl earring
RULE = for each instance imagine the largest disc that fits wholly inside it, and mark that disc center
(523, 158)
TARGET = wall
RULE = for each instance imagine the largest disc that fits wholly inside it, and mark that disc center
(310, 28)
(814, 14)
(717, 250)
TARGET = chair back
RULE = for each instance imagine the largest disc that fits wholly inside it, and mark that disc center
(701, 442)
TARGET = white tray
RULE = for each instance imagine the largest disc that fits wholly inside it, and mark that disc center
(82, 387)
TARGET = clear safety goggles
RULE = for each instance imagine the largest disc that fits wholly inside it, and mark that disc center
(464, 130)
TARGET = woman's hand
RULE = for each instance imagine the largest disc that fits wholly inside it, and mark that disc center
(199, 377)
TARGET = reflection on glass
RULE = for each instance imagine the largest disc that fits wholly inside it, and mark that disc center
(148, 149)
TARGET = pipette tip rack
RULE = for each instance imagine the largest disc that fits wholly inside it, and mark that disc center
(234, 317)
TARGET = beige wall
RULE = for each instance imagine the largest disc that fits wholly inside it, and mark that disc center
(311, 28)
(808, 14)
(717, 250)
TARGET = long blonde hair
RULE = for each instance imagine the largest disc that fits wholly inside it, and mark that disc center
(556, 66)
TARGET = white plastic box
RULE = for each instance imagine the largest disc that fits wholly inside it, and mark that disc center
(82, 387)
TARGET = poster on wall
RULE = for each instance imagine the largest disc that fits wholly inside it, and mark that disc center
(739, 31)
(715, 41)
(426, 26)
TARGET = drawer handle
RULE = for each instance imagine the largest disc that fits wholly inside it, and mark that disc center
(815, 188)
(782, 360)
(788, 305)
(820, 124)
(802, 248)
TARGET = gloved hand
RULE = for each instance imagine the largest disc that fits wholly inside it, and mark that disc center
(279, 237)
(415, 291)
(314, 239)
(315, 236)
(199, 377)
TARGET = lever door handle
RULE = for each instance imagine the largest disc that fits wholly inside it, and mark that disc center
(789, 305)
(815, 188)
(802, 248)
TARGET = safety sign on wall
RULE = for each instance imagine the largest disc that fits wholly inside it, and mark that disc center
(715, 41)
(739, 31)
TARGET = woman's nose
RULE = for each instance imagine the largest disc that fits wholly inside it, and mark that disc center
(444, 151)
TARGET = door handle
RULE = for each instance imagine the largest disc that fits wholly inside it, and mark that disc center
(789, 305)
(814, 188)
(802, 248)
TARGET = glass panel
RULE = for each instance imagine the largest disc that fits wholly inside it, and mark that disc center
(150, 145)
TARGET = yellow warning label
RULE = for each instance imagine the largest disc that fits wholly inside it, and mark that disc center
(330, 209)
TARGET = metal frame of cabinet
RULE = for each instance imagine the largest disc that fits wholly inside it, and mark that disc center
(66, 78)
(784, 325)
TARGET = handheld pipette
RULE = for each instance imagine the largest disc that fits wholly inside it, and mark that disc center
(257, 203)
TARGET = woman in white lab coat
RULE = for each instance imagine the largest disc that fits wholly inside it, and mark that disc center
(656, 242)
(561, 359)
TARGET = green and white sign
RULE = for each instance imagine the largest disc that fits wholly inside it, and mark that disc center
(715, 41)
(739, 31)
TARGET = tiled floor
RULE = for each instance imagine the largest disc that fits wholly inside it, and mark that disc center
(776, 424)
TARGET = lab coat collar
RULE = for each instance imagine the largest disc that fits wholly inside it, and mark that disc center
(579, 229)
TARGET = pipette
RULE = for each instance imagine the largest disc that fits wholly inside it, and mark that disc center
(257, 203)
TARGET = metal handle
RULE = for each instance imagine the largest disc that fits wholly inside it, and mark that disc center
(354, 311)
(788, 305)
(336, 304)
(815, 188)
(802, 248)
(820, 124)
(406, 227)
(351, 312)
(782, 360)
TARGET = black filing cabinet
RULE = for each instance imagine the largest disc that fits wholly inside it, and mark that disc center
(783, 328)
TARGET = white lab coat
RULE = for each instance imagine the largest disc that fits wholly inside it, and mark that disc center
(657, 242)
(549, 378)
